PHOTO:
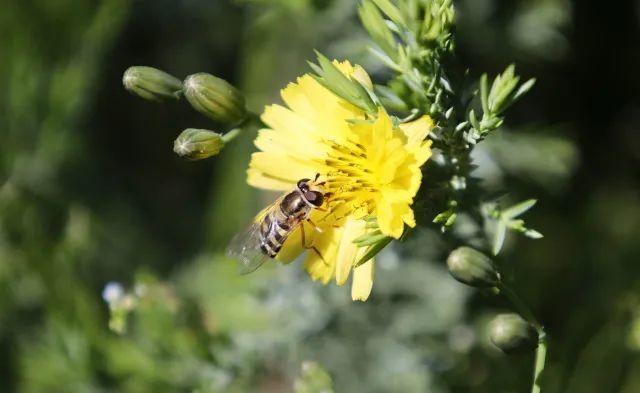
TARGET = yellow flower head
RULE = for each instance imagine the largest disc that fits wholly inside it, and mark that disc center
(369, 168)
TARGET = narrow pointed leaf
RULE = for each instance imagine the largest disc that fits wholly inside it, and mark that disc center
(502, 100)
(516, 210)
(373, 251)
(524, 88)
(484, 93)
(533, 234)
(499, 236)
(391, 11)
(372, 239)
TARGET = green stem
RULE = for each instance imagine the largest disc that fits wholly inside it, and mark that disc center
(520, 306)
(527, 314)
(252, 120)
(541, 354)
(230, 135)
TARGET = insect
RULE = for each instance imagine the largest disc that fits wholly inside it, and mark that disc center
(264, 237)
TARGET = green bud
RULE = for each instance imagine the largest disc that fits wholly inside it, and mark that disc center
(512, 334)
(215, 98)
(196, 144)
(152, 84)
(472, 267)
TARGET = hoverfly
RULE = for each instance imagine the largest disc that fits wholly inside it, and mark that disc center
(264, 238)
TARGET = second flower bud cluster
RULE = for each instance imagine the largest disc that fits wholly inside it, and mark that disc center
(211, 96)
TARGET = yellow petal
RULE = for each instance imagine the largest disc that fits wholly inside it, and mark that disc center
(354, 72)
(421, 152)
(285, 120)
(291, 248)
(394, 157)
(416, 133)
(375, 136)
(319, 106)
(349, 252)
(362, 281)
(258, 179)
(283, 143)
(283, 167)
(389, 221)
(417, 130)
(361, 76)
(322, 268)
(383, 127)
(407, 181)
(407, 216)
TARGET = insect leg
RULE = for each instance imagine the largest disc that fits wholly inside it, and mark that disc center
(313, 224)
(323, 218)
(304, 242)
(313, 248)
(319, 254)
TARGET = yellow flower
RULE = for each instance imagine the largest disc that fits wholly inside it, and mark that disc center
(370, 168)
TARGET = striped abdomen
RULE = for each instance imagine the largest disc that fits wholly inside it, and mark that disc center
(281, 221)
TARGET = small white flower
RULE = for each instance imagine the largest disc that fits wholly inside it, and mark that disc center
(112, 292)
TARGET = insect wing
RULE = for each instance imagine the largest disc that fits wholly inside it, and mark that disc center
(245, 247)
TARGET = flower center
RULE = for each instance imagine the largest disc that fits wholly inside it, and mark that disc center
(350, 179)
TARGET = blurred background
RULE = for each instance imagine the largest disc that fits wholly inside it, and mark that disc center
(91, 194)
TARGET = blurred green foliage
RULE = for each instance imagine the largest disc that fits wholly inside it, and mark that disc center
(90, 192)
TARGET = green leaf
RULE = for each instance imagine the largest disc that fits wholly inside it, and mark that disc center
(375, 25)
(474, 120)
(385, 59)
(373, 250)
(369, 239)
(351, 90)
(462, 126)
(484, 93)
(501, 101)
(448, 113)
(498, 239)
(516, 210)
(390, 99)
(318, 70)
(503, 91)
(391, 11)
(366, 236)
(334, 76)
(410, 9)
(451, 220)
(533, 234)
(516, 225)
(489, 123)
(523, 89)
(441, 217)
(509, 72)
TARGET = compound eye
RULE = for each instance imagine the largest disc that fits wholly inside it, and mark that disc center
(314, 197)
(302, 183)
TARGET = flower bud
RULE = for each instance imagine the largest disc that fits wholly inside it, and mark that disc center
(215, 98)
(472, 267)
(196, 144)
(512, 334)
(152, 84)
